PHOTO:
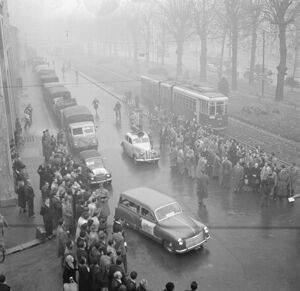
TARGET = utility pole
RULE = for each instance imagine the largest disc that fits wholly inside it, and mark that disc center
(263, 68)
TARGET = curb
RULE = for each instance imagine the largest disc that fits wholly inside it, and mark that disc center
(23, 247)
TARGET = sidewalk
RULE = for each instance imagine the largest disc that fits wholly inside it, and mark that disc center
(22, 228)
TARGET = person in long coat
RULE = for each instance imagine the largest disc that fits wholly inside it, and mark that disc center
(56, 205)
(226, 173)
(85, 277)
(180, 161)
(42, 173)
(216, 167)
(67, 213)
(29, 196)
(173, 157)
(237, 177)
(21, 196)
(202, 187)
(294, 176)
(190, 162)
(283, 182)
(61, 239)
(46, 212)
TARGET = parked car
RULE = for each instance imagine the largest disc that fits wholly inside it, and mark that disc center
(97, 172)
(161, 218)
(137, 146)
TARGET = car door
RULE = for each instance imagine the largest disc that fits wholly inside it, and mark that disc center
(129, 211)
(148, 223)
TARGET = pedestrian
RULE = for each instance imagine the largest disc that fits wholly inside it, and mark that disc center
(56, 206)
(102, 203)
(67, 213)
(3, 224)
(237, 177)
(169, 286)
(202, 187)
(267, 185)
(180, 161)
(143, 285)
(3, 285)
(71, 285)
(70, 269)
(294, 176)
(61, 239)
(283, 182)
(116, 281)
(21, 196)
(194, 286)
(47, 214)
(121, 246)
(29, 196)
(173, 157)
(226, 173)
(85, 278)
(131, 281)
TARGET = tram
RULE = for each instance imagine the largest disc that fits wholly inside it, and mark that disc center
(205, 104)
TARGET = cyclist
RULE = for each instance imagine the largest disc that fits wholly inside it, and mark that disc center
(96, 105)
(117, 110)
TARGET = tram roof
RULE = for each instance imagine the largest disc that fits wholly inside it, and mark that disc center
(208, 96)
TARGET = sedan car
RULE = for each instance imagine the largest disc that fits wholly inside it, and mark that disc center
(161, 218)
(97, 173)
(137, 145)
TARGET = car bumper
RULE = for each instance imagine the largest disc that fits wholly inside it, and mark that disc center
(100, 181)
(185, 250)
(147, 160)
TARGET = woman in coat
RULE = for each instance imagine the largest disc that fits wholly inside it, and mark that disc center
(283, 182)
(69, 269)
(21, 196)
(46, 212)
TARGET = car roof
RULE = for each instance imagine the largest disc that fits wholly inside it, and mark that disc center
(137, 133)
(148, 197)
(89, 154)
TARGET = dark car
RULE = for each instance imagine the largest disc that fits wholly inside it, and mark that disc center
(161, 218)
(97, 172)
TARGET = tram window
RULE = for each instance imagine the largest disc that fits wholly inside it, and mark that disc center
(220, 108)
(205, 107)
(225, 108)
(212, 109)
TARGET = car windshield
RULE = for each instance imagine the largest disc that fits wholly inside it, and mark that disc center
(167, 211)
(140, 140)
(94, 164)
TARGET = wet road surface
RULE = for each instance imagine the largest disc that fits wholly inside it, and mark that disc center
(251, 248)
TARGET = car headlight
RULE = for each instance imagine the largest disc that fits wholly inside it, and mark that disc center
(142, 153)
(92, 178)
(75, 143)
(205, 229)
(108, 175)
(180, 241)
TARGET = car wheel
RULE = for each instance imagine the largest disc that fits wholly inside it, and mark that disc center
(167, 246)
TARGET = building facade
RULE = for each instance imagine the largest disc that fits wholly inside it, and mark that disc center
(8, 104)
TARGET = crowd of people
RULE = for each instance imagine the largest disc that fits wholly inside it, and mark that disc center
(92, 255)
(202, 154)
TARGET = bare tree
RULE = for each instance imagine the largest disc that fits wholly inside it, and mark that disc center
(178, 15)
(234, 14)
(281, 13)
(203, 17)
(255, 12)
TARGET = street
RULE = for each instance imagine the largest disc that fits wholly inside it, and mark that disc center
(251, 248)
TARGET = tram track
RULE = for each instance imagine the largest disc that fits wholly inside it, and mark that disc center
(287, 151)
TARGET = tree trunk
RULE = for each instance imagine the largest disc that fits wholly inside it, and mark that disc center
(148, 46)
(179, 53)
(163, 44)
(253, 56)
(282, 64)
(203, 56)
(296, 60)
(234, 45)
(220, 73)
